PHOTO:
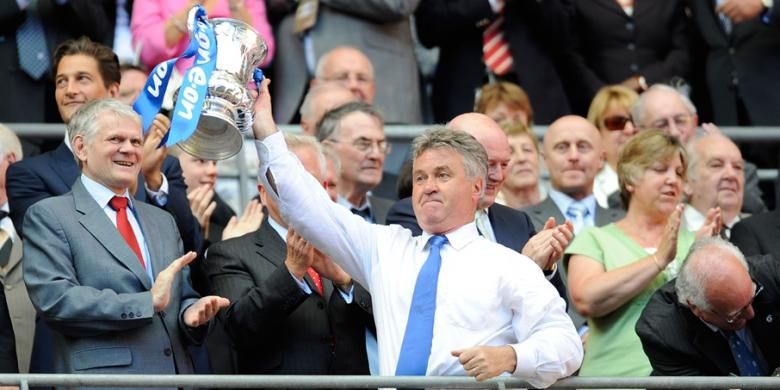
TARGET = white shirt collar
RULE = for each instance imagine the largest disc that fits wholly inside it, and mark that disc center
(280, 230)
(101, 193)
(459, 237)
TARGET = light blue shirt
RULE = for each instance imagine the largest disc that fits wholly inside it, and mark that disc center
(563, 202)
(102, 196)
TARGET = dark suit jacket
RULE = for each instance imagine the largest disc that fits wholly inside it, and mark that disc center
(88, 285)
(758, 234)
(679, 344)
(536, 32)
(610, 46)
(743, 64)
(276, 328)
(512, 228)
(54, 172)
(34, 99)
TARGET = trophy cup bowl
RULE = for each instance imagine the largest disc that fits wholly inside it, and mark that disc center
(228, 107)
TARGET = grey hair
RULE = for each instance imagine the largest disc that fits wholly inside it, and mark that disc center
(439, 137)
(693, 277)
(638, 108)
(9, 142)
(330, 123)
(298, 141)
(85, 121)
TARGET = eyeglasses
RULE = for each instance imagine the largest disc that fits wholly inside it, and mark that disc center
(733, 317)
(366, 145)
(679, 120)
(617, 122)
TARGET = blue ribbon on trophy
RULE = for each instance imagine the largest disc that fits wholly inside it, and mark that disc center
(203, 44)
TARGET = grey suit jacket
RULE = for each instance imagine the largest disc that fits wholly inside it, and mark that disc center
(540, 212)
(89, 287)
(20, 309)
(378, 28)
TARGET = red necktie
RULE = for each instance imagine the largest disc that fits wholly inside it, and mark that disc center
(495, 48)
(119, 204)
(317, 280)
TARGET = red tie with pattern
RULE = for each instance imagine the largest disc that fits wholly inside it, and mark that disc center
(317, 280)
(495, 48)
(119, 204)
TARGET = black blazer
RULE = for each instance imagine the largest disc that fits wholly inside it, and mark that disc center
(679, 344)
(276, 328)
(513, 229)
(758, 234)
(741, 64)
(536, 32)
(609, 46)
(54, 172)
(33, 100)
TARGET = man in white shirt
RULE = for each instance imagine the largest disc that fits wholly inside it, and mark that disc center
(715, 179)
(499, 314)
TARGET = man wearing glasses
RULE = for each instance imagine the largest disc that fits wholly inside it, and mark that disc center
(717, 318)
(356, 132)
(665, 108)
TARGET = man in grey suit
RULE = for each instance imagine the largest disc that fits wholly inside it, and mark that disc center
(21, 314)
(380, 29)
(101, 272)
(356, 133)
(573, 155)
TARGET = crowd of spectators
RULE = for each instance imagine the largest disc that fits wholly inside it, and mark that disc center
(118, 256)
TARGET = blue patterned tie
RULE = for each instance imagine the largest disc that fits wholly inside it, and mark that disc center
(746, 361)
(416, 347)
(577, 212)
(31, 45)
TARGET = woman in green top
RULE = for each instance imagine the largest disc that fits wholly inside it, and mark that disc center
(613, 270)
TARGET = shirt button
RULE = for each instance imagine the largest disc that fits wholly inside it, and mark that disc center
(167, 352)
(124, 315)
(630, 26)
(132, 315)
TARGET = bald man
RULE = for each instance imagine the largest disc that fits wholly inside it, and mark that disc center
(573, 155)
(498, 223)
(717, 318)
(350, 68)
(320, 99)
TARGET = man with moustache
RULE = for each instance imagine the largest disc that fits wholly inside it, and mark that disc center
(716, 178)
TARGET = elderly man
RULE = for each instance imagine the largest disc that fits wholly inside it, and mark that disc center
(320, 99)
(717, 318)
(716, 178)
(105, 272)
(573, 155)
(356, 133)
(350, 68)
(496, 222)
(509, 320)
(663, 107)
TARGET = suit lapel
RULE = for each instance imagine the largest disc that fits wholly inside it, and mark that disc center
(64, 164)
(713, 346)
(95, 221)
(153, 243)
(611, 6)
(269, 245)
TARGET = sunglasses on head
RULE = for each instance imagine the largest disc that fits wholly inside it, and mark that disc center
(617, 122)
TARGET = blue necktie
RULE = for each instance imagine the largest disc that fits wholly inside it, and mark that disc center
(416, 347)
(746, 361)
(31, 45)
(577, 212)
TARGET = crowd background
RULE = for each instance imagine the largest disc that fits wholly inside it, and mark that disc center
(620, 83)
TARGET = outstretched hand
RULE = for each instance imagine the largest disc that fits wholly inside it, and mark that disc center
(548, 245)
(203, 310)
(248, 222)
(263, 124)
(161, 289)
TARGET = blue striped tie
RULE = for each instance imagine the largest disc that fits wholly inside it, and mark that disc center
(31, 45)
(416, 346)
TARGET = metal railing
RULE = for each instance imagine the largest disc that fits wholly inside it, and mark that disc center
(24, 381)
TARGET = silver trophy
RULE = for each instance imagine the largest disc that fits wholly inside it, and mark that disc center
(227, 109)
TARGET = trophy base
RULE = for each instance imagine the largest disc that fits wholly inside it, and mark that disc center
(216, 137)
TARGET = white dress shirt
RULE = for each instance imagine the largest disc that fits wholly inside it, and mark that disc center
(693, 220)
(487, 294)
(604, 184)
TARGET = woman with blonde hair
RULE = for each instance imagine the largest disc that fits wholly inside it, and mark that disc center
(505, 101)
(610, 113)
